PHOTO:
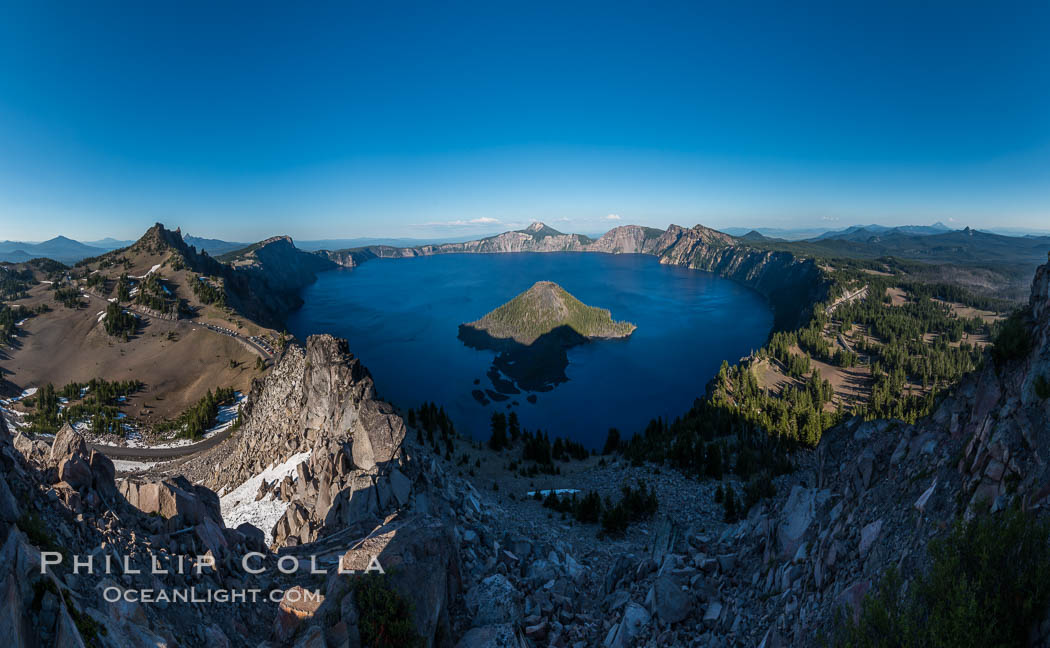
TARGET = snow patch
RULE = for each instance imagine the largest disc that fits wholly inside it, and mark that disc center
(26, 394)
(557, 491)
(239, 505)
(149, 272)
(125, 466)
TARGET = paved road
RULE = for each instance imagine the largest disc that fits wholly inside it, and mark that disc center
(122, 452)
(859, 293)
(253, 342)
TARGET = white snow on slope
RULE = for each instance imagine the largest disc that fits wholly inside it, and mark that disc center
(26, 394)
(14, 417)
(557, 491)
(151, 271)
(125, 466)
(239, 505)
(226, 417)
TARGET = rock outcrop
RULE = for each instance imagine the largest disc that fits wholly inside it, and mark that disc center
(65, 503)
(318, 398)
(319, 402)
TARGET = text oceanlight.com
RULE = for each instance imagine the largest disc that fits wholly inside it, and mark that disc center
(113, 594)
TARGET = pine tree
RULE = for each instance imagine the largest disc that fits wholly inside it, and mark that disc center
(513, 426)
(498, 440)
(729, 503)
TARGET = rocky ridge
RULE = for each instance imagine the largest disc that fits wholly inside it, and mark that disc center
(262, 282)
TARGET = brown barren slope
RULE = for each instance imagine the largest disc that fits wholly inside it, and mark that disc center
(67, 345)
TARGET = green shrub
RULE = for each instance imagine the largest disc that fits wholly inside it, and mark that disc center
(37, 532)
(636, 504)
(118, 322)
(1013, 339)
(88, 628)
(987, 584)
(729, 505)
(1042, 387)
(385, 616)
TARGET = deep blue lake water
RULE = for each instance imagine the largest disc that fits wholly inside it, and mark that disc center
(401, 317)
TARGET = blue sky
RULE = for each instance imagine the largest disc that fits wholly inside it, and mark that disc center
(449, 119)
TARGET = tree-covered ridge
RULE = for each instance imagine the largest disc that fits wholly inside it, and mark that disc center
(15, 281)
(904, 335)
(547, 306)
(154, 294)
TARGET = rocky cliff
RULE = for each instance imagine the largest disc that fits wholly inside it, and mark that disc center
(792, 285)
(319, 404)
(274, 272)
(478, 570)
(315, 396)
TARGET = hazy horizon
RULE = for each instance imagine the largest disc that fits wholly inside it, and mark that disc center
(437, 123)
(451, 236)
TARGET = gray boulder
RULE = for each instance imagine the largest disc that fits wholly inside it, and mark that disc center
(491, 636)
(670, 603)
(493, 601)
(634, 623)
(421, 558)
(67, 442)
(254, 538)
(400, 486)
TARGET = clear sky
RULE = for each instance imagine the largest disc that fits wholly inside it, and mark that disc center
(448, 119)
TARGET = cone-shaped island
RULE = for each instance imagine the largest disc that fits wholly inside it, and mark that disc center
(545, 309)
(531, 333)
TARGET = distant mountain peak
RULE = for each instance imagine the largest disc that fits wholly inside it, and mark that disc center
(159, 237)
(540, 230)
